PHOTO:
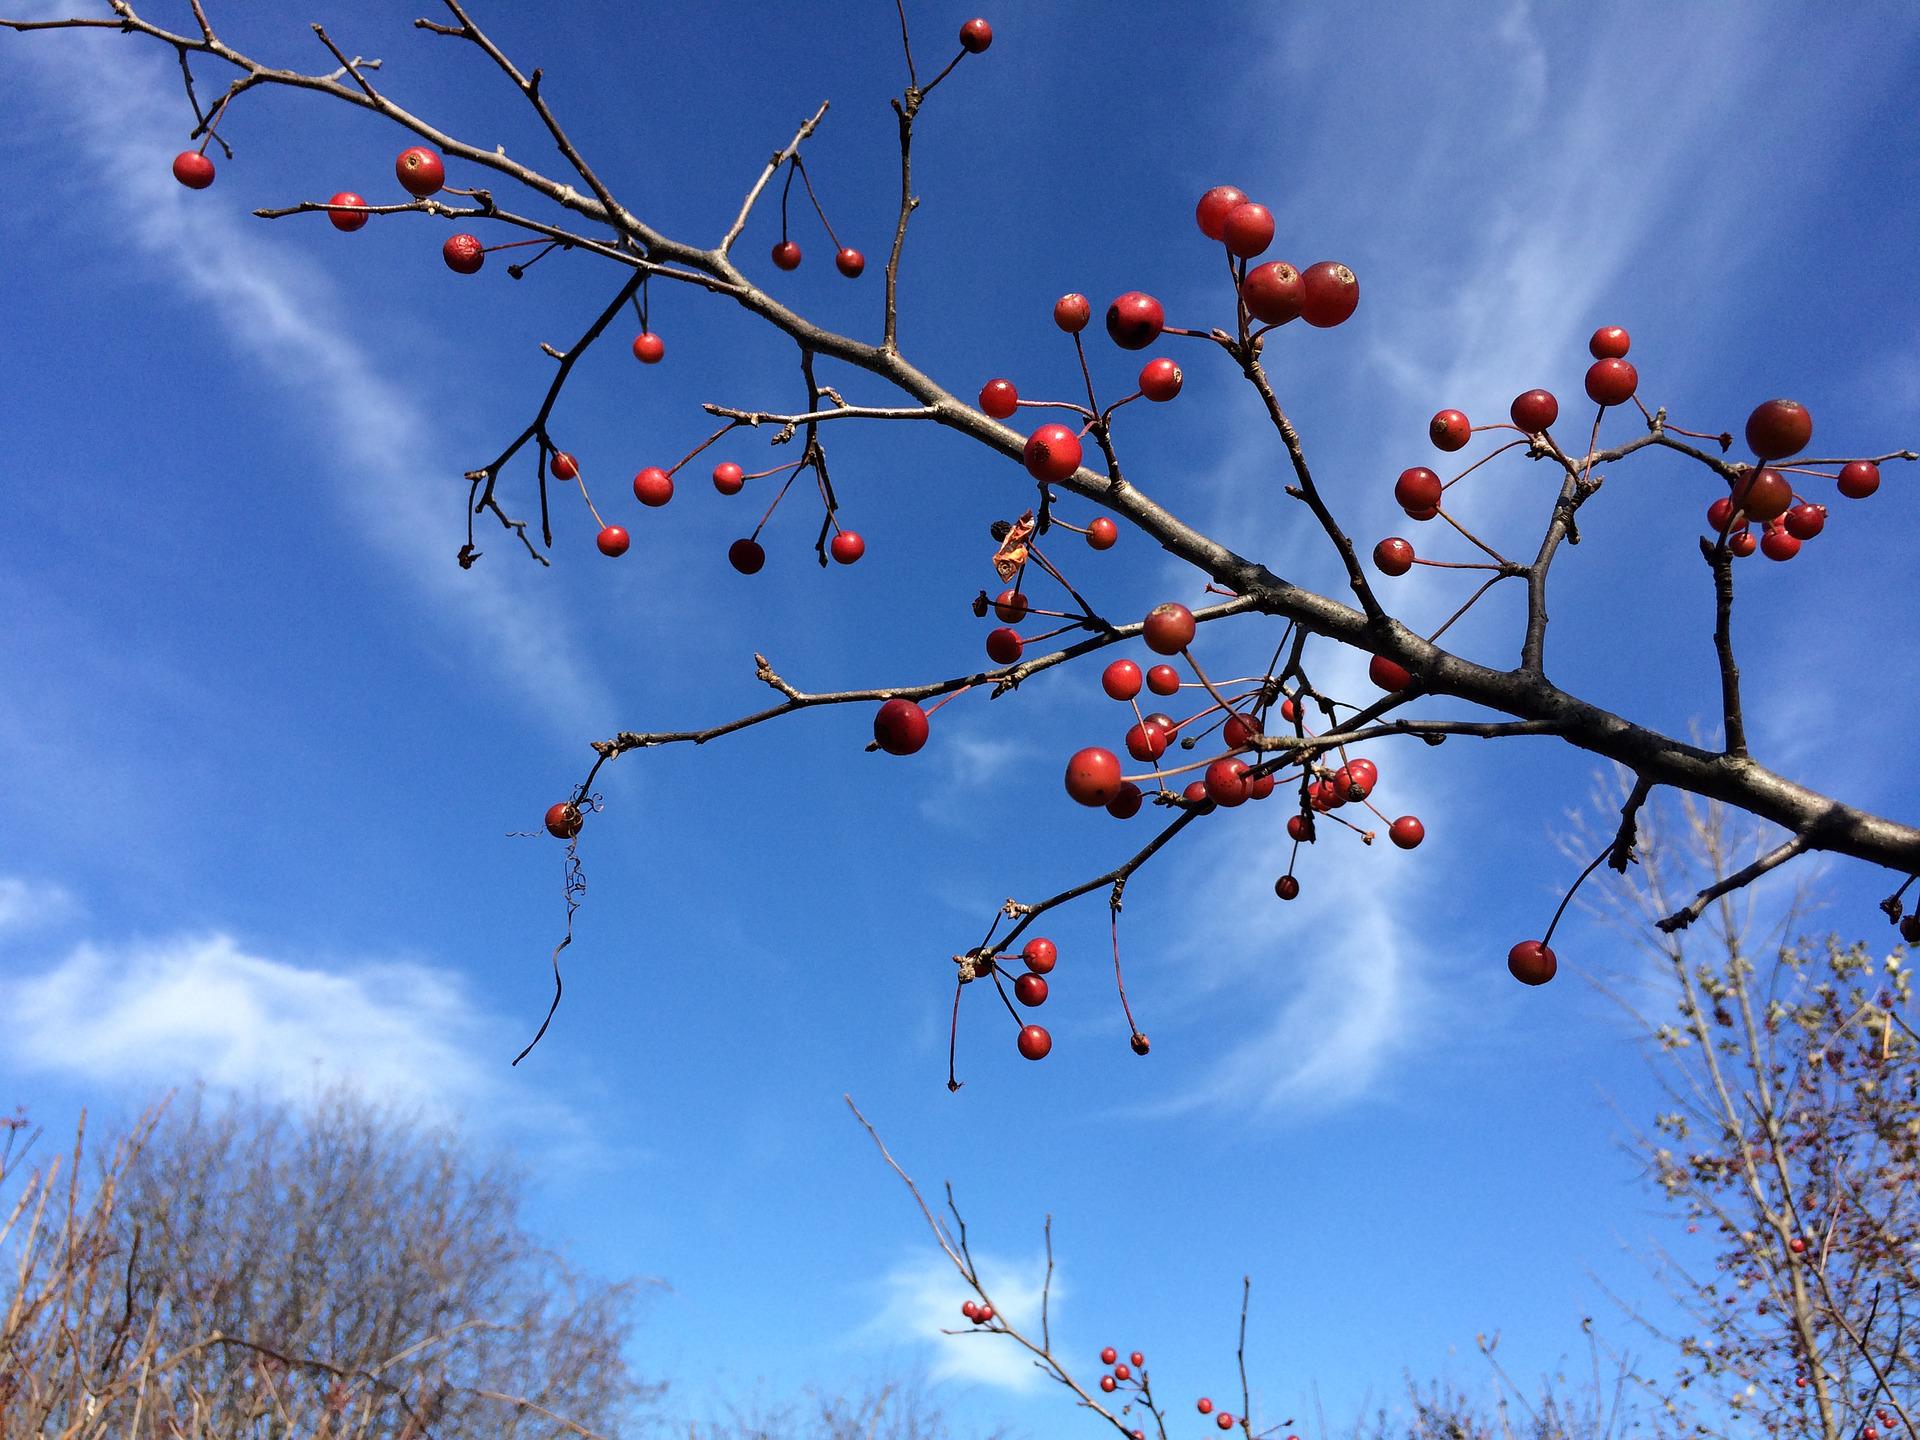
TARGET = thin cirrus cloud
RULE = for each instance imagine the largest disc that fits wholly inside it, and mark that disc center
(33, 904)
(920, 1294)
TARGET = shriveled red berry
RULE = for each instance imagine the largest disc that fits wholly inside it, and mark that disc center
(1778, 428)
(1121, 680)
(1407, 832)
(612, 540)
(1160, 380)
(565, 467)
(1093, 776)
(193, 170)
(344, 218)
(1287, 888)
(1330, 293)
(1011, 606)
(464, 254)
(786, 255)
(1169, 628)
(1387, 674)
(1531, 963)
(1534, 410)
(648, 348)
(1611, 382)
(1247, 230)
(746, 556)
(1134, 321)
(1102, 533)
(1214, 207)
(1041, 954)
(1163, 680)
(1227, 782)
(564, 820)
(1764, 495)
(847, 547)
(1806, 521)
(653, 486)
(1393, 556)
(420, 171)
(1273, 293)
(1072, 311)
(975, 36)
(728, 478)
(850, 262)
(1418, 492)
(1145, 742)
(1609, 342)
(1449, 430)
(1127, 803)
(1004, 646)
(1034, 1042)
(900, 727)
(1052, 453)
(1859, 479)
(1777, 544)
(1030, 990)
(999, 399)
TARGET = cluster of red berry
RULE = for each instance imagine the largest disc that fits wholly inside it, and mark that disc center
(977, 1312)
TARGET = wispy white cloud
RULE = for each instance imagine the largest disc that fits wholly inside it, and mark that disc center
(921, 1298)
(32, 904)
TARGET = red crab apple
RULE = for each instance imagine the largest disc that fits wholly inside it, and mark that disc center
(1393, 556)
(1011, 606)
(1214, 207)
(900, 727)
(1072, 311)
(1449, 430)
(1534, 411)
(1052, 453)
(1227, 782)
(1093, 776)
(1145, 741)
(1273, 293)
(1169, 628)
(850, 262)
(564, 820)
(1134, 321)
(1806, 521)
(1859, 479)
(1102, 533)
(1287, 888)
(1109, 1355)
(1004, 646)
(1160, 380)
(1531, 962)
(1777, 544)
(344, 219)
(746, 556)
(1407, 832)
(1387, 674)
(1612, 381)
(1121, 680)
(653, 487)
(1247, 230)
(1040, 954)
(613, 540)
(1163, 680)
(1418, 492)
(1609, 342)
(1204, 1405)
(1779, 428)
(848, 546)
(976, 35)
(193, 170)
(1127, 803)
(1030, 990)
(565, 466)
(1034, 1042)
(786, 255)
(648, 348)
(1764, 495)
(421, 171)
(1330, 293)
(999, 398)
(464, 254)
(728, 478)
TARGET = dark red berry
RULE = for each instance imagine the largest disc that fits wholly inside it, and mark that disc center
(193, 170)
(1126, 804)
(728, 478)
(1393, 556)
(1418, 491)
(1720, 514)
(1227, 782)
(1072, 311)
(1764, 495)
(565, 467)
(1196, 793)
(1093, 776)
(1214, 207)
(786, 255)
(1778, 428)
(1041, 954)
(1239, 731)
(1053, 453)
(1531, 963)
(900, 727)
(1609, 342)
(1247, 230)
(421, 171)
(848, 546)
(1223, 1420)
(1300, 828)
(746, 556)
(1011, 606)
(1534, 411)
(975, 36)
(1134, 321)
(1004, 646)
(564, 820)
(464, 254)
(850, 262)
(1109, 1384)
(1777, 544)
(612, 540)
(1407, 832)
(1169, 628)
(653, 487)
(1145, 742)
(1102, 533)
(1121, 1372)
(1449, 430)
(346, 219)
(1859, 479)
(1140, 1045)
(1743, 543)
(1806, 521)
(1287, 888)
(1163, 680)
(1388, 675)
(1030, 990)
(999, 399)
(1611, 382)
(1160, 379)
(1273, 293)
(1034, 1042)
(1330, 294)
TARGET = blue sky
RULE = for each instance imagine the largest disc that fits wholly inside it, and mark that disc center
(264, 742)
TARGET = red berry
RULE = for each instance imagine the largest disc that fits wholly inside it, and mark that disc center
(1146, 742)
(1720, 514)
(1260, 786)
(1223, 1420)
(1407, 832)
(565, 467)
(728, 478)
(1778, 428)
(464, 254)
(1330, 294)
(1531, 962)
(1030, 990)
(786, 255)
(1169, 628)
(746, 556)
(1109, 1384)
(1134, 321)
(653, 486)
(1093, 776)
(193, 170)
(999, 399)
(1010, 606)
(1289, 712)
(1418, 491)
(900, 727)
(1764, 495)
(969, 1309)
(1227, 782)
(1053, 453)
(1204, 1405)
(1034, 1042)
(1859, 479)
(1287, 888)
(1196, 793)
(1534, 411)
(976, 35)
(1393, 556)
(1072, 311)
(648, 348)
(1160, 379)
(1300, 828)
(1611, 382)
(1040, 954)
(1121, 680)
(1214, 207)
(1163, 680)
(1797, 1245)
(848, 547)
(420, 170)
(1363, 773)
(1003, 646)
(983, 1315)
(1102, 533)
(1449, 430)
(1609, 342)
(1239, 731)
(850, 261)
(1777, 544)
(1273, 293)
(1806, 521)
(1743, 543)
(1162, 719)
(564, 820)
(1126, 804)
(1109, 1355)
(1247, 230)
(1388, 675)
(343, 219)
(612, 540)
(1121, 1372)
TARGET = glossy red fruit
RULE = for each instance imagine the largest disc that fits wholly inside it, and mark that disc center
(1531, 963)
(746, 556)
(193, 170)
(1004, 646)
(1109, 1355)
(1859, 479)
(1364, 775)
(1196, 793)
(1778, 428)
(1777, 544)
(1137, 1360)
(1720, 514)
(728, 478)
(1214, 207)
(1247, 230)
(1010, 606)
(1223, 1420)
(1239, 731)
(1034, 1042)
(648, 348)
(1273, 293)
(847, 547)
(975, 36)
(1163, 680)
(1806, 521)
(983, 1315)
(346, 219)
(1204, 1405)
(1041, 954)
(1030, 990)
(1093, 776)
(1418, 491)
(1072, 311)
(1134, 321)
(1145, 742)
(1102, 533)
(1289, 711)
(969, 1309)
(1053, 453)
(1330, 294)
(1127, 803)
(1108, 1384)
(1449, 430)
(1121, 680)
(1169, 628)
(1742, 544)
(1163, 720)
(1534, 411)
(565, 467)
(612, 540)
(420, 171)
(900, 727)
(564, 820)
(1764, 495)
(850, 262)
(653, 486)
(1160, 380)
(1407, 832)
(1611, 382)
(1388, 675)
(1609, 342)
(1287, 888)
(999, 399)
(1121, 1372)
(1393, 556)
(1227, 782)
(464, 254)
(786, 255)
(1300, 828)
(1260, 787)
